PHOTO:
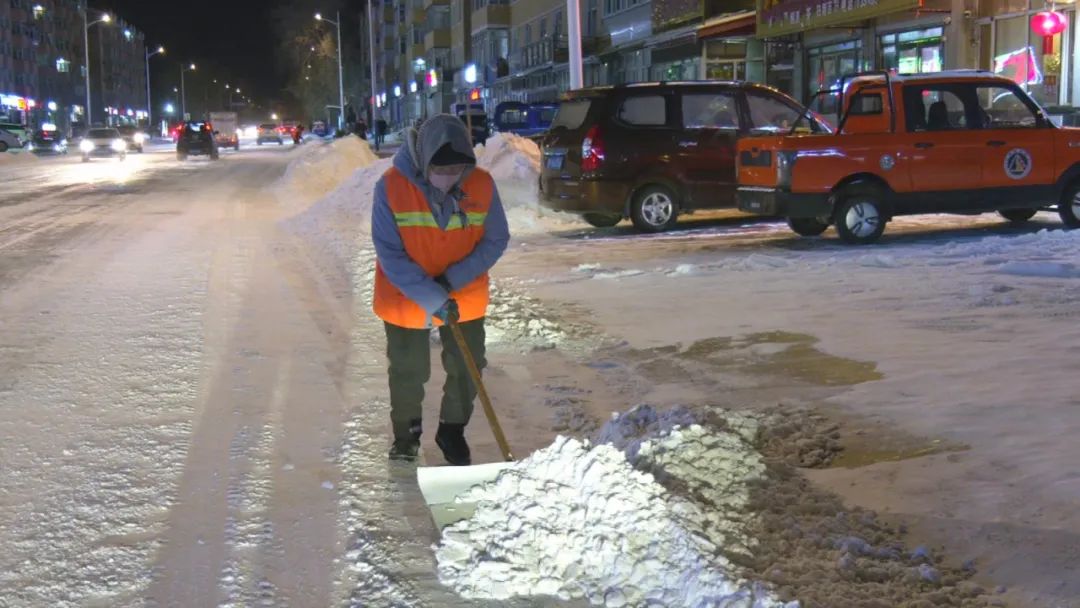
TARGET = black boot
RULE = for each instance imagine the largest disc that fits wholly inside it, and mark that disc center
(451, 439)
(407, 444)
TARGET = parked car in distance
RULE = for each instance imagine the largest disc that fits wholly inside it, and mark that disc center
(269, 132)
(102, 142)
(196, 137)
(524, 119)
(133, 136)
(19, 131)
(965, 142)
(9, 140)
(654, 151)
(48, 141)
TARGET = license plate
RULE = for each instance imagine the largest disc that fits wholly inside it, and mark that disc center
(554, 162)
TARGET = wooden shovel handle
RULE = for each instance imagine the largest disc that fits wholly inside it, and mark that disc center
(489, 411)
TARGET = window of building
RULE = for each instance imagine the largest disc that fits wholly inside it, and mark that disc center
(63, 65)
(709, 111)
(543, 28)
(644, 110)
(913, 52)
(591, 19)
(557, 24)
(528, 34)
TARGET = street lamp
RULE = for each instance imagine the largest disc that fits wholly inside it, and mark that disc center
(150, 108)
(183, 94)
(340, 72)
(105, 18)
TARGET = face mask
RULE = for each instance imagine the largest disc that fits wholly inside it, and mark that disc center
(445, 183)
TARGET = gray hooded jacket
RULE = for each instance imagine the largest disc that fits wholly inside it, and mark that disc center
(412, 161)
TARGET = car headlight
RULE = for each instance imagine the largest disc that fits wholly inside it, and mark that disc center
(140, 138)
(86, 145)
(118, 145)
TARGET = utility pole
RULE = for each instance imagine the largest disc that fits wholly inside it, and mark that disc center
(573, 17)
(371, 51)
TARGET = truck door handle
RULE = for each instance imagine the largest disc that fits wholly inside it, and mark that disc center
(922, 145)
(995, 143)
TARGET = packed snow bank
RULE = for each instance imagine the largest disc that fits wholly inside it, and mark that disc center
(514, 163)
(321, 169)
(579, 521)
(17, 158)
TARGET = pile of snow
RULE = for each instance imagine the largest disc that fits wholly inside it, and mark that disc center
(18, 158)
(581, 522)
(322, 169)
(514, 163)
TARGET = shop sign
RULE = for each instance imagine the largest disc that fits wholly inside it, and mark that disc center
(780, 17)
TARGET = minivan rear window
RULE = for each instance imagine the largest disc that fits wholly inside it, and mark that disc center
(571, 114)
(644, 110)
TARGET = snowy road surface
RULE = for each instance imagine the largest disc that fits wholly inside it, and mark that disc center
(193, 404)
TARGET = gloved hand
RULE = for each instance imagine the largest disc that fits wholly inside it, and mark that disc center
(444, 283)
(448, 313)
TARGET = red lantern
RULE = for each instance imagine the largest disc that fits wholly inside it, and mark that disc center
(1048, 23)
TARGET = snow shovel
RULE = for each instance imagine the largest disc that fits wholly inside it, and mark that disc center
(441, 485)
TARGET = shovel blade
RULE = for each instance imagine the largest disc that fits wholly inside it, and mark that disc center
(442, 485)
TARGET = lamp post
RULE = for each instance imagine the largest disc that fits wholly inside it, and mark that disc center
(183, 94)
(149, 108)
(105, 18)
(340, 72)
(375, 113)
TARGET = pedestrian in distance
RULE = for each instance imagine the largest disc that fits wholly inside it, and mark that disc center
(438, 227)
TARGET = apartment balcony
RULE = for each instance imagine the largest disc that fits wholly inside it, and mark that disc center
(389, 42)
(418, 15)
(492, 15)
(430, 3)
(546, 52)
(437, 39)
(416, 50)
(388, 13)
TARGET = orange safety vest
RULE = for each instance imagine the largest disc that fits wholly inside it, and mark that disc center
(433, 248)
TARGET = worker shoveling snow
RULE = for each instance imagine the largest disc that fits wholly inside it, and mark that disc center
(578, 521)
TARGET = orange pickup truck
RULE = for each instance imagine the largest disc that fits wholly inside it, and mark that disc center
(963, 142)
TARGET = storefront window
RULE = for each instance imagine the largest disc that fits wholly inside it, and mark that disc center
(829, 63)
(1028, 59)
(913, 52)
(725, 60)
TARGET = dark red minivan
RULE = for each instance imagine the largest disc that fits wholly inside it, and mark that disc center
(653, 151)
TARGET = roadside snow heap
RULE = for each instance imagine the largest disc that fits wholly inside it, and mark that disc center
(321, 169)
(514, 163)
(577, 521)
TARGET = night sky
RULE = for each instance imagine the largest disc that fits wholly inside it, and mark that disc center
(228, 39)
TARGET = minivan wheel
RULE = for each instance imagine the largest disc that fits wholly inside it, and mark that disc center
(654, 210)
(1018, 216)
(859, 218)
(601, 220)
(1069, 207)
(807, 226)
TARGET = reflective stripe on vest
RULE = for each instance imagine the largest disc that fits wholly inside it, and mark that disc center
(433, 248)
(427, 220)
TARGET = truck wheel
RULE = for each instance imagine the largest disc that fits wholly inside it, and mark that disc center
(1018, 216)
(601, 220)
(655, 209)
(859, 218)
(1069, 206)
(807, 226)
(3, 146)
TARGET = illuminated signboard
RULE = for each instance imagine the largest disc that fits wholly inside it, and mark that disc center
(781, 17)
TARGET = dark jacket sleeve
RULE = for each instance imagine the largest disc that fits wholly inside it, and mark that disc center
(487, 251)
(402, 271)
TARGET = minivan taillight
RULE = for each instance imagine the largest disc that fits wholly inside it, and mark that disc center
(592, 150)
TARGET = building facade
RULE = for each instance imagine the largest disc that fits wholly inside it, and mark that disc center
(435, 52)
(41, 62)
(117, 73)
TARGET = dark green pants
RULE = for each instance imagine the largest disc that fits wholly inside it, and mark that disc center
(409, 352)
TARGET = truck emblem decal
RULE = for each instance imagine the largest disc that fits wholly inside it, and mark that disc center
(887, 162)
(1017, 163)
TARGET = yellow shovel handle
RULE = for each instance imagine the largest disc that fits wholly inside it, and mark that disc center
(489, 411)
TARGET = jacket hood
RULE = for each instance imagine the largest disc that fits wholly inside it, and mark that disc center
(414, 157)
